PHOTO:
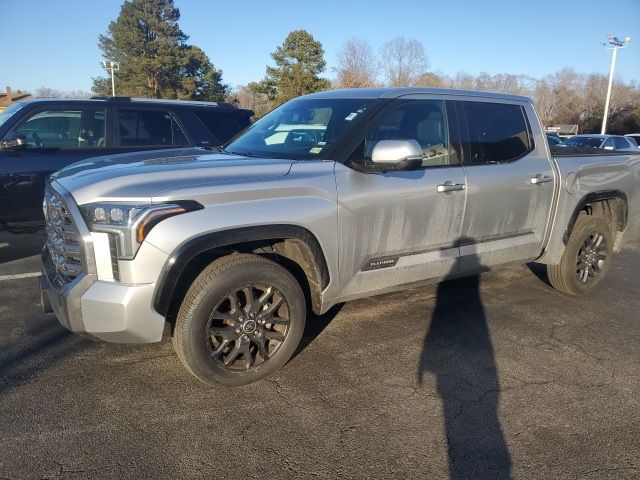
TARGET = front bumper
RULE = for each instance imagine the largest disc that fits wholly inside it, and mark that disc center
(109, 311)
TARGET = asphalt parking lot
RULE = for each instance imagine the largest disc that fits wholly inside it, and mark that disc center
(495, 376)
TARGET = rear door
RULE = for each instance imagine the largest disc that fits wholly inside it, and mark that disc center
(138, 129)
(56, 137)
(509, 183)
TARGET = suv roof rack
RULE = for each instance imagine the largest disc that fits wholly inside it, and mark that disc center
(115, 99)
(201, 103)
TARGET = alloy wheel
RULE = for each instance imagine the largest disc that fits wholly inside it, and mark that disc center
(247, 326)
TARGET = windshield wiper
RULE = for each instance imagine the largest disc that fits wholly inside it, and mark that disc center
(217, 149)
(227, 152)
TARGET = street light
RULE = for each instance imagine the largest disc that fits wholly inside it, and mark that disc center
(111, 66)
(615, 43)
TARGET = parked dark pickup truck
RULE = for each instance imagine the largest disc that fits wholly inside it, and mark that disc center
(41, 136)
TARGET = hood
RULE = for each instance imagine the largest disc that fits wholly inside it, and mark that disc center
(139, 177)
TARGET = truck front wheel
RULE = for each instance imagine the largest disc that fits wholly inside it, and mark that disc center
(241, 319)
(586, 258)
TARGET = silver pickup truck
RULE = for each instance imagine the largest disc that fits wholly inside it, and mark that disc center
(331, 197)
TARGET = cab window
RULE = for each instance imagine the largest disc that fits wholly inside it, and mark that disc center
(424, 121)
(497, 132)
(64, 129)
(620, 143)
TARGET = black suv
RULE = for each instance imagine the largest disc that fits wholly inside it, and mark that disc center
(38, 137)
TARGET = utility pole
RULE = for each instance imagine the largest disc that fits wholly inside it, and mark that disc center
(615, 43)
(111, 66)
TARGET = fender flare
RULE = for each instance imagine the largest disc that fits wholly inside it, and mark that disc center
(180, 258)
(595, 197)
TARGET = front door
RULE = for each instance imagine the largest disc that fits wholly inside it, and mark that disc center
(397, 228)
(510, 184)
(56, 137)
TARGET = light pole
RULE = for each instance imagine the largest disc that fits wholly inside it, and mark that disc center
(111, 66)
(615, 43)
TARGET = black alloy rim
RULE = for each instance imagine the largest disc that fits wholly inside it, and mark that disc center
(247, 326)
(592, 256)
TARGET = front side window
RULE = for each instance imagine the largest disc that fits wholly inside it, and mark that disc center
(66, 129)
(497, 132)
(300, 129)
(148, 128)
(224, 125)
(424, 121)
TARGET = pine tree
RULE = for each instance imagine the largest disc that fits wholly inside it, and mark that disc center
(153, 55)
(299, 62)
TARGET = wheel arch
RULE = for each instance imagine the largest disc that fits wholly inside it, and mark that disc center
(295, 247)
(613, 203)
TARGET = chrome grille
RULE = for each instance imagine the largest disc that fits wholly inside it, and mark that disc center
(63, 238)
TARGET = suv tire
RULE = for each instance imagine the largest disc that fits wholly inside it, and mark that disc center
(241, 319)
(586, 258)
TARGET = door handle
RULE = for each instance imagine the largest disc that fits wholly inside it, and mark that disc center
(450, 186)
(539, 178)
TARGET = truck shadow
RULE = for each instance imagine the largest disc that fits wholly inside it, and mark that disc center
(314, 326)
(458, 352)
(18, 246)
(37, 349)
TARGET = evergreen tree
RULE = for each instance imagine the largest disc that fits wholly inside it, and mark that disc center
(299, 61)
(153, 55)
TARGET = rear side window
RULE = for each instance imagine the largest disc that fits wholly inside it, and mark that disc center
(148, 128)
(497, 132)
(223, 125)
(620, 143)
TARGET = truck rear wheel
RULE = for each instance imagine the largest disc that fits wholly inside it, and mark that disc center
(241, 319)
(586, 258)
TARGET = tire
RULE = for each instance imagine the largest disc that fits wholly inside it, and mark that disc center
(236, 343)
(590, 244)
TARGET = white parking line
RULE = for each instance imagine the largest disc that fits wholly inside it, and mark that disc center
(16, 276)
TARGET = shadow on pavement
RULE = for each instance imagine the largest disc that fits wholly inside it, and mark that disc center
(38, 348)
(16, 247)
(539, 271)
(458, 352)
(314, 327)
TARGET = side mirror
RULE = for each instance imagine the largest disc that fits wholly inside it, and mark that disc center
(608, 147)
(13, 141)
(393, 155)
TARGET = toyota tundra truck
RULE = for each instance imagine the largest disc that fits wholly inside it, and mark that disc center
(331, 197)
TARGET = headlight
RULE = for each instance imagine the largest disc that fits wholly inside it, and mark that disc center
(130, 224)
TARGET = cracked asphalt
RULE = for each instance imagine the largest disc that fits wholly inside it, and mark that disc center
(496, 376)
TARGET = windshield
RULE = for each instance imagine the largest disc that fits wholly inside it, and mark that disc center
(299, 129)
(584, 142)
(6, 114)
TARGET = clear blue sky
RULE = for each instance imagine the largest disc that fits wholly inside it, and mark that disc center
(53, 43)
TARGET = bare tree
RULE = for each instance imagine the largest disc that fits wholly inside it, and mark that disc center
(356, 65)
(45, 92)
(545, 102)
(246, 97)
(403, 61)
(431, 79)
